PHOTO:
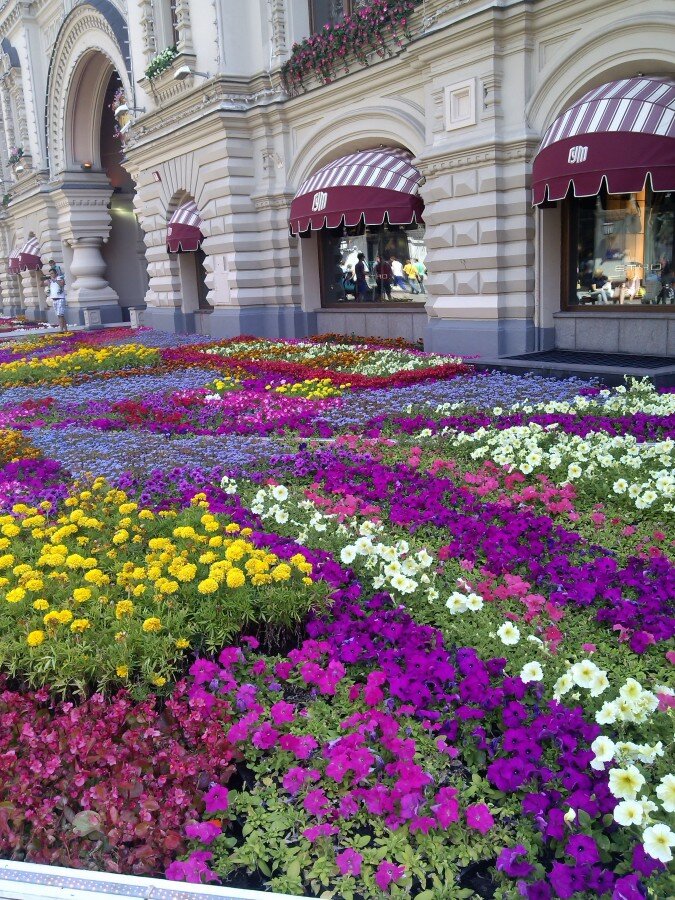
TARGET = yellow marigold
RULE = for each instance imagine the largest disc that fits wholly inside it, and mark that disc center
(81, 594)
(146, 514)
(97, 577)
(235, 551)
(307, 580)
(166, 586)
(208, 557)
(80, 625)
(16, 595)
(207, 586)
(259, 580)
(120, 636)
(187, 572)
(65, 616)
(235, 578)
(139, 590)
(10, 530)
(182, 643)
(40, 604)
(152, 624)
(216, 541)
(121, 536)
(52, 619)
(35, 638)
(245, 532)
(126, 508)
(282, 572)
(6, 561)
(34, 584)
(159, 680)
(122, 671)
(123, 608)
(232, 528)
(184, 531)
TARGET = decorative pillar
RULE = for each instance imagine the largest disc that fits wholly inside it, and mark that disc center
(183, 26)
(84, 222)
(34, 296)
(147, 20)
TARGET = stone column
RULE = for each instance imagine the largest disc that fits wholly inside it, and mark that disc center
(82, 202)
(34, 296)
(183, 27)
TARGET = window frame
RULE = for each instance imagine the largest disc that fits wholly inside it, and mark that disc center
(346, 11)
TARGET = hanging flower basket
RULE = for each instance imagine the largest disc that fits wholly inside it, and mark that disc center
(370, 31)
(161, 62)
(15, 155)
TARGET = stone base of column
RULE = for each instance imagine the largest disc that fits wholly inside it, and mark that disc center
(109, 311)
(9, 310)
(220, 323)
(480, 337)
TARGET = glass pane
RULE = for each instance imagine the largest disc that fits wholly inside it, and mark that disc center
(326, 12)
(624, 249)
(372, 265)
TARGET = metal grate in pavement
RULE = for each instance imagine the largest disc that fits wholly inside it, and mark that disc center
(625, 361)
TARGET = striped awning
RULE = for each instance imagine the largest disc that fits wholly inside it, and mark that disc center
(620, 133)
(184, 233)
(370, 186)
(27, 257)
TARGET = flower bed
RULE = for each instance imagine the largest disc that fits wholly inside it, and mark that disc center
(334, 619)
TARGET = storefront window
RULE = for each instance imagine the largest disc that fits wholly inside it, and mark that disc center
(393, 260)
(622, 250)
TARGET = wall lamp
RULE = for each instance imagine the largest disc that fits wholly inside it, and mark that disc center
(183, 71)
(87, 166)
(124, 108)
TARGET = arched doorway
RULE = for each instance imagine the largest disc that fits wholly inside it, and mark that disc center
(184, 244)
(103, 254)
(123, 252)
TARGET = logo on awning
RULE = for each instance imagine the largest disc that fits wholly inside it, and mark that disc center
(577, 154)
(319, 201)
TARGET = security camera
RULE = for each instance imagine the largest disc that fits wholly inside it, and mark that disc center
(182, 73)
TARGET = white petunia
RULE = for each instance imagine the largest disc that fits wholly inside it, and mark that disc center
(666, 793)
(584, 672)
(563, 685)
(508, 633)
(626, 784)
(657, 840)
(531, 671)
(348, 554)
(474, 602)
(456, 603)
(604, 750)
(280, 493)
(628, 812)
(599, 684)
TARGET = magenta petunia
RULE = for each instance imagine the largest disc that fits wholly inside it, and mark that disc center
(479, 817)
(216, 799)
(387, 873)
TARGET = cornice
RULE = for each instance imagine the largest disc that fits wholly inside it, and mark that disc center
(489, 153)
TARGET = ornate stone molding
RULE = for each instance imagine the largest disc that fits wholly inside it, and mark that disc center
(278, 40)
(490, 154)
(183, 26)
(84, 31)
(147, 22)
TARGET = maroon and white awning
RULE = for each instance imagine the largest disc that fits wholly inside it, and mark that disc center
(26, 258)
(184, 232)
(620, 133)
(369, 186)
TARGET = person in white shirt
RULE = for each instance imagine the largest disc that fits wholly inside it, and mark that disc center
(57, 294)
(397, 270)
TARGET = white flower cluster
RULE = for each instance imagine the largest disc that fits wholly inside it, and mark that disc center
(646, 471)
(584, 674)
(274, 502)
(626, 784)
(634, 704)
(377, 362)
(639, 396)
(393, 565)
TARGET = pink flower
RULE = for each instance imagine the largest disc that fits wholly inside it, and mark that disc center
(265, 738)
(317, 831)
(478, 816)
(349, 862)
(216, 799)
(589, 648)
(387, 873)
(282, 712)
(206, 832)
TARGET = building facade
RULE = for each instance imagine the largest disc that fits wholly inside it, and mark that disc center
(163, 180)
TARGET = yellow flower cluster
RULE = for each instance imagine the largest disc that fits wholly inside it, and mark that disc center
(15, 445)
(311, 388)
(79, 362)
(105, 563)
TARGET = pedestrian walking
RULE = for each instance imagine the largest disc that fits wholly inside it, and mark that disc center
(397, 272)
(411, 274)
(383, 277)
(57, 295)
(421, 274)
(360, 271)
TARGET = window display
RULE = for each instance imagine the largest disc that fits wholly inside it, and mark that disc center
(373, 264)
(622, 250)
